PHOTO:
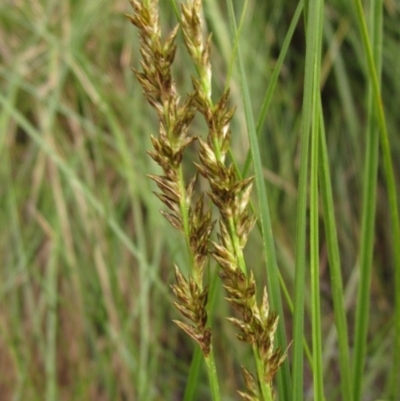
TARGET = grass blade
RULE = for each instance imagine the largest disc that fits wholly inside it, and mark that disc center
(314, 37)
(335, 268)
(368, 219)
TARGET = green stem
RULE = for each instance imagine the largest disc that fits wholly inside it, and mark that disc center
(184, 209)
(266, 390)
(212, 375)
(194, 375)
(315, 19)
(335, 268)
(237, 247)
(52, 318)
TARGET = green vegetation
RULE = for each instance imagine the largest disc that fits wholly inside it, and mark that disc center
(87, 260)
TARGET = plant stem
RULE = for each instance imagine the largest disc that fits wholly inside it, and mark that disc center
(212, 375)
(266, 390)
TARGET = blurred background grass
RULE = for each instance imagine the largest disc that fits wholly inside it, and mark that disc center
(86, 258)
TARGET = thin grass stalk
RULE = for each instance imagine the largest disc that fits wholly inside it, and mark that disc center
(301, 223)
(283, 376)
(315, 18)
(52, 319)
(314, 265)
(47, 122)
(145, 313)
(368, 214)
(335, 268)
(392, 194)
(193, 375)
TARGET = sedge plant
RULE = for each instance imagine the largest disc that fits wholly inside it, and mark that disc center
(230, 194)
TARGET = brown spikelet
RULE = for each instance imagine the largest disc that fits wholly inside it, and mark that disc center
(175, 118)
(231, 195)
(192, 304)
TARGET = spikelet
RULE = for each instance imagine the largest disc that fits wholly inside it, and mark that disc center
(231, 195)
(175, 117)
